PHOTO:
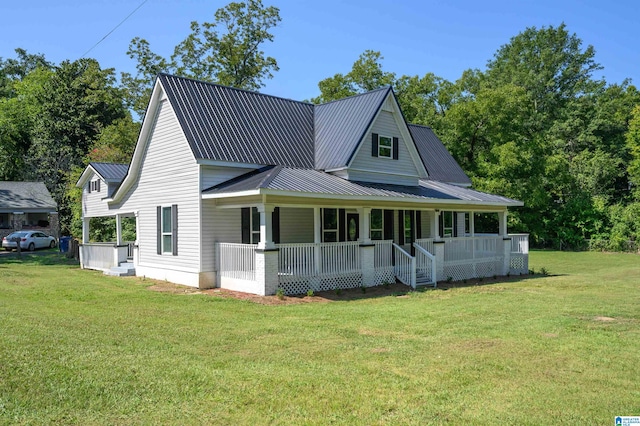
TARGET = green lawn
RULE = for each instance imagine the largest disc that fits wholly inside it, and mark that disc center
(79, 347)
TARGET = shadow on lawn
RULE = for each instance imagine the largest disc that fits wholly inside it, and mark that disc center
(40, 257)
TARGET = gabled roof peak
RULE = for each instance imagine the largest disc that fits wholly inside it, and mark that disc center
(387, 88)
(222, 86)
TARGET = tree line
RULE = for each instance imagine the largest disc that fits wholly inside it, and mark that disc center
(535, 124)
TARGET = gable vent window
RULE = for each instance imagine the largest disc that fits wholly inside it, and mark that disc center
(94, 186)
(384, 146)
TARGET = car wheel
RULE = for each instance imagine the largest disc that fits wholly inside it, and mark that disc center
(32, 247)
(53, 244)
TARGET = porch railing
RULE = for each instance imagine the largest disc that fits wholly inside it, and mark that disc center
(405, 266)
(425, 265)
(97, 256)
(308, 259)
(519, 243)
(237, 260)
(470, 248)
(426, 243)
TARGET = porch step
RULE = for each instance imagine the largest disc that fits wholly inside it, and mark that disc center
(126, 269)
(422, 280)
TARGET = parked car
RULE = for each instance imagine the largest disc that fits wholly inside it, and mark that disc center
(29, 240)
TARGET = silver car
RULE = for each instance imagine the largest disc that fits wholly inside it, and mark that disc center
(29, 240)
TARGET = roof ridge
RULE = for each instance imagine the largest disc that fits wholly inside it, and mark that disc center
(105, 162)
(419, 125)
(237, 89)
(270, 176)
(388, 87)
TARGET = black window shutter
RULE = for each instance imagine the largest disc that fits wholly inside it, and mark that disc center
(174, 229)
(245, 217)
(418, 224)
(412, 223)
(441, 224)
(395, 148)
(275, 225)
(374, 144)
(90, 183)
(159, 234)
(401, 227)
(342, 225)
(455, 224)
(98, 185)
(388, 225)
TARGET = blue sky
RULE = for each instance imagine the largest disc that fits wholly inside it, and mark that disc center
(317, 39)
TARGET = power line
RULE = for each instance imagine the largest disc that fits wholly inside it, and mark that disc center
(114, 28)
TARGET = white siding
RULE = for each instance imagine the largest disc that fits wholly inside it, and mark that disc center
(461, 216)
(218, 225)
(213, 175)
(92, 204)
(296, 225)
(374, 169)
(426, 218)
(168, 175)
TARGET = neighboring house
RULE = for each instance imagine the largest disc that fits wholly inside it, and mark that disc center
(27, 205)
(251, 192)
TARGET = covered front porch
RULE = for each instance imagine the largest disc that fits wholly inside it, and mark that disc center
(116, 256)
(323, 247)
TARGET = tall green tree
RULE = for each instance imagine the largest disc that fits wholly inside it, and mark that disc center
(366, 74)
(227, 50)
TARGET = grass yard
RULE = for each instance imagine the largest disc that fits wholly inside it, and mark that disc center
(77, 347)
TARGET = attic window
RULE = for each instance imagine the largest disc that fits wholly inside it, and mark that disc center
(385, 145)
(94, 186)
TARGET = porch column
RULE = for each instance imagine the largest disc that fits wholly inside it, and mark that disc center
(502, 221)
(317, 238)
(434, 230)
(472, 224)
(266, 231)
(118, 230)
(85, 230)
(364, 215)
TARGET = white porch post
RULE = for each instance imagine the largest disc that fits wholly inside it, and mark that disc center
(118, 230)
(434, 232)
(317, 237)
(364, 214)
(266, 230)
(502, 220)
(472, 224)
(85, 230)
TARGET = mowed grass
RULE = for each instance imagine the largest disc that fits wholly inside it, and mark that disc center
(77, 347)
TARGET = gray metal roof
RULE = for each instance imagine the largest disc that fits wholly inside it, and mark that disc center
(25, 196)
(436, 158)
(318, 182)
(227, 124)
(340, 126)
(111, 172)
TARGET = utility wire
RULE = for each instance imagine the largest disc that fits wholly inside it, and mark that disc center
(114, 28)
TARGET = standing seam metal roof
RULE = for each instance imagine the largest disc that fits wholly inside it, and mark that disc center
(318, 182)
(436, 158)
(223, 123)
(340, 126)
(112, 172)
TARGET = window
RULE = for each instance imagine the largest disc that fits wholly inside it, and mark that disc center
(329, 225)
(94, 186)
(408, 228)
(255, 225)
(385, 146)
(377, 224)
(4, 221)
(167, 237)
(167, 219)
(447, 224)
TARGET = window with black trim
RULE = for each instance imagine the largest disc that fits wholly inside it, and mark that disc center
(94, 186)
(376, 224)
(385, 146)
(448, 224)
(329, 225)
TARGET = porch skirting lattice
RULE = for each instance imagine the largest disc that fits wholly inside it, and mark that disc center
(302, 284)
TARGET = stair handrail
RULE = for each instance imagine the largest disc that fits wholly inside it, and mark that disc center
(412, 267)
(423, 251)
